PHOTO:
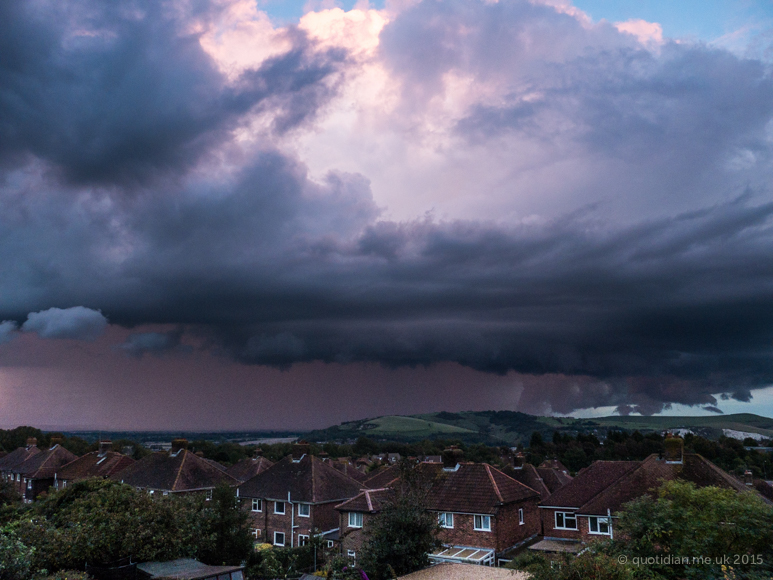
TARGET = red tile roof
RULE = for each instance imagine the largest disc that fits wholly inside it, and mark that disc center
(589, 482)
(528, 475)
(348, 469)
(94, 464)
(43, 465)
(175, 472)
(369, 501)
(382, 477)
(472, 488)
(249, 467)
(17, 457)
(554, 479)
(309, 480)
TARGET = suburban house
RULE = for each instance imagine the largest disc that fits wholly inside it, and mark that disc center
(584, 509)
(355, 517)
(101, 463)
(483, 513)
(15, 458)
(35, 474)
(175, 471)
(295, 498)
(249, 467)
(528, 475)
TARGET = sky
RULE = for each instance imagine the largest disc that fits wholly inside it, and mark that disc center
(241, 214)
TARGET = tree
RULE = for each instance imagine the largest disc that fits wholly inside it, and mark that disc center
(710, 524)
(15, 556)
(227, 529)
(400, 538)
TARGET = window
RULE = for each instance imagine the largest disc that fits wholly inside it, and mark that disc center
(279, 538)
(598, 526)
(445, 519)
(209, 494)
(355, 520)
(255, 532)
(257, 505)
(483, 523)
(279, 507)
(18, 477)
(330, 543)
(150, 492)
(302, 540)
(166, 493)
(304, 510)
(566, 521)
(520, 516)
(352, 554)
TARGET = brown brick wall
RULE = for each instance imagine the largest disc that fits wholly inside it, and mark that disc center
(353, 538)
(549, 530)
(464, 534)
(509, 531)
(268, 522)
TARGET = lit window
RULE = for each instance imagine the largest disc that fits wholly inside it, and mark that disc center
(445, 519)
(520, 516)
(279, 507)
(279, 538)
(304, 510)
(566, 521)
(303, 540)
(598, 526)
(355, 520)
(483, 523)
(257, 505)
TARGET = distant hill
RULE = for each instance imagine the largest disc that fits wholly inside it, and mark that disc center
(512, 427)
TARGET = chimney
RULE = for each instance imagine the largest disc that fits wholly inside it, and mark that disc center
(324, 456)
(104, 447)
(300, 449)
(55, 440)
(674, 450)
(748, 478)
(32, 441)
(199, 454)
(258, 452)
(451, 457)
(179, 444)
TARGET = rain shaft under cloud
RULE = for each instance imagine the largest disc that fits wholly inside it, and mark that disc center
(604, 211)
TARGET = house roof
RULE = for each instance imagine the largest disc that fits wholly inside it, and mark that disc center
(185, 569)
(175, 472)
(348, 469)
(368, 501)
(309, 480)
(94, 464)
(382, 476)
(554, 464)
(17, 457)
(472, 488)
(43, 465)
(606, 486)
(554, 479)
(249, 467)
(528, 475)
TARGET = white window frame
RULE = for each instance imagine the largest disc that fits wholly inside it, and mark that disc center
(598, 520)
(479, 521)
(355, 520)
(446, 520)
(303, 539)
(209, 494)
(276, 543)
(331, 544)
(520, 516)
(308, 510)
(255, 532)
(351, 554)
(562, 525)
(257, 505)
(276, 508)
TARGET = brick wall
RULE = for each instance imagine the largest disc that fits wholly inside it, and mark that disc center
(549, 530)
(353, 538)
(464, 534)
(509, 529)
(322, 518)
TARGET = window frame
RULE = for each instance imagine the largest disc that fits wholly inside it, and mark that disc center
(483, 518)
(357, 517)
(521, 520)
(563, 526)
(276, 508)
(443, 520)
(303, 539)
(284, 539)
(598, 520)
(257, 504)
(308, 510)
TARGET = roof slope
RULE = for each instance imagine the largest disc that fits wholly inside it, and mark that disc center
(382, 477)
(528, 475)
(43, 465)
(249, 467)
(472, 488)
(554, 479)
(181, 471)
(17, 457)
(369, 501)
(309, 480)
(94, 464)
(348, 469)
(590, 482)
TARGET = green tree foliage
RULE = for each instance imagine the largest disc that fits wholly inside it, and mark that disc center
(226, 530)
(593, 564)
(709, 522)
(400, 537)
(15, 556)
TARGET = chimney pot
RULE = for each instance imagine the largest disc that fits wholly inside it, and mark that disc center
(32, 441)
(451, 457)
(104, 447)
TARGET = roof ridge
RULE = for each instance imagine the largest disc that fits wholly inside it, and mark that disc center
(367, 497)
(180, 469)
(493, 482)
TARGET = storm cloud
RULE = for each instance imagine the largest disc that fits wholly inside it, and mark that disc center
(623, 257)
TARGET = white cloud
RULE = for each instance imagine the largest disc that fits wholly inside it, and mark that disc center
(78, 323)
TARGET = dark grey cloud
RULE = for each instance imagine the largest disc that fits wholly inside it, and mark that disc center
(8, 331)
(255, 259)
